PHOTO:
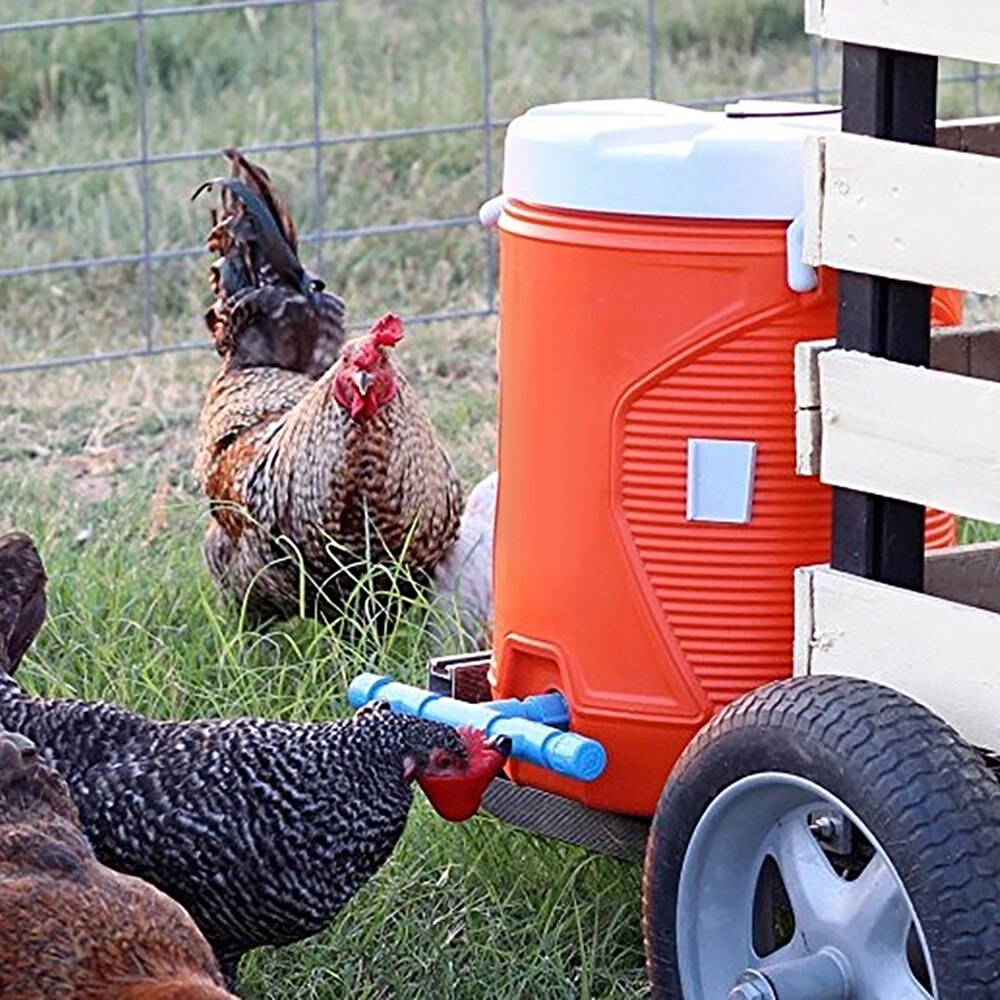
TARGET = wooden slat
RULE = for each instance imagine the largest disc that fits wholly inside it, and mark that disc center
(902, 211)
(962, 350)
(941, 653)
(970, 135)
(910, 433)
(808, 441)
(808, 424)
(960, 29)
(966, 574)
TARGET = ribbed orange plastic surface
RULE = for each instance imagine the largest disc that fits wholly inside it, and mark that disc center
(622, 338)
(725, 589)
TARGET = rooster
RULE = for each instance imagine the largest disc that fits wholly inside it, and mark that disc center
(310, 478)
(69, 927)
(261, 829)
(347, 468)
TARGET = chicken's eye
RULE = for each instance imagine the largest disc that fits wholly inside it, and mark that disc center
(444, 760)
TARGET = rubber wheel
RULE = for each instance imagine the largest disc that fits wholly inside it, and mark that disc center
(825, 837)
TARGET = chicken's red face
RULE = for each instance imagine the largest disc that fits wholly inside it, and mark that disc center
(365, 379)
(454, 783)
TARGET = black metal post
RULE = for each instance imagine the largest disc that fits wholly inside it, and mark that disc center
(891, 95)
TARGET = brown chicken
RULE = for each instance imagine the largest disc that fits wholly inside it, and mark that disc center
(346, 468)
(315, 471)
(71, 928)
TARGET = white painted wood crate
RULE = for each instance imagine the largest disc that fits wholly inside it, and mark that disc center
(927, 435)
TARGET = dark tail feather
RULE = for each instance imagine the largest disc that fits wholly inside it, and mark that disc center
(268, 239)
(270, 310)
(22, 597)
(259, 180)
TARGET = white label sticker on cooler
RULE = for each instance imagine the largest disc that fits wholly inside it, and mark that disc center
(720, 480)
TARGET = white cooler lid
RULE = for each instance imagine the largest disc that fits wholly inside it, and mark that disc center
(642, 157)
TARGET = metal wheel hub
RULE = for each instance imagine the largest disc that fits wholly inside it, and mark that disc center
(826, 975)
(784, 894)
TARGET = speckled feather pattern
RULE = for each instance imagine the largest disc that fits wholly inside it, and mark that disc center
(278, 446)
(261, 829)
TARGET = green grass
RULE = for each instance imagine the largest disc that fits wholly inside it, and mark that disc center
(95, 461)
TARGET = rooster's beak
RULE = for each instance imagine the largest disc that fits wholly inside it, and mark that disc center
(502, 745)
(363, 381)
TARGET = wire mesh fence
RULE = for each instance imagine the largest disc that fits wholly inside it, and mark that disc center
(319, 142)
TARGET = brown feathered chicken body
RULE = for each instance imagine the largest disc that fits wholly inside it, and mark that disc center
(69, 926)
(347, 468)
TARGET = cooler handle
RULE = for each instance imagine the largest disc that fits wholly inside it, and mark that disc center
(489, 211)
(801, 277)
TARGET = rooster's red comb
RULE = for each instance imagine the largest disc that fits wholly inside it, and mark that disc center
(387, 331)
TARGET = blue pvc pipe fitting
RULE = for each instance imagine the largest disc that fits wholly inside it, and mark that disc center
(550, 709)
(568, 754)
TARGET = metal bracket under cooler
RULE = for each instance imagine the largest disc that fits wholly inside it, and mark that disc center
(464, 677)
(555, 816)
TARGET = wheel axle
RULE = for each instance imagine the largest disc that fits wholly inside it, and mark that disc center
(824, 975)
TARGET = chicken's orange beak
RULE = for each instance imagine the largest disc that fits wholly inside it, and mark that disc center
(456, 797)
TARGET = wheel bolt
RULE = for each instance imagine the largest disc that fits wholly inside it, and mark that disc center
(823, 827)
(752, 986)
(747, 991)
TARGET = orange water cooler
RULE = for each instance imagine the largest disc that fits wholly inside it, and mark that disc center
(649, 515)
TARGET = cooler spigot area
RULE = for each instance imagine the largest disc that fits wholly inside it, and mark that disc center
(531, 723)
